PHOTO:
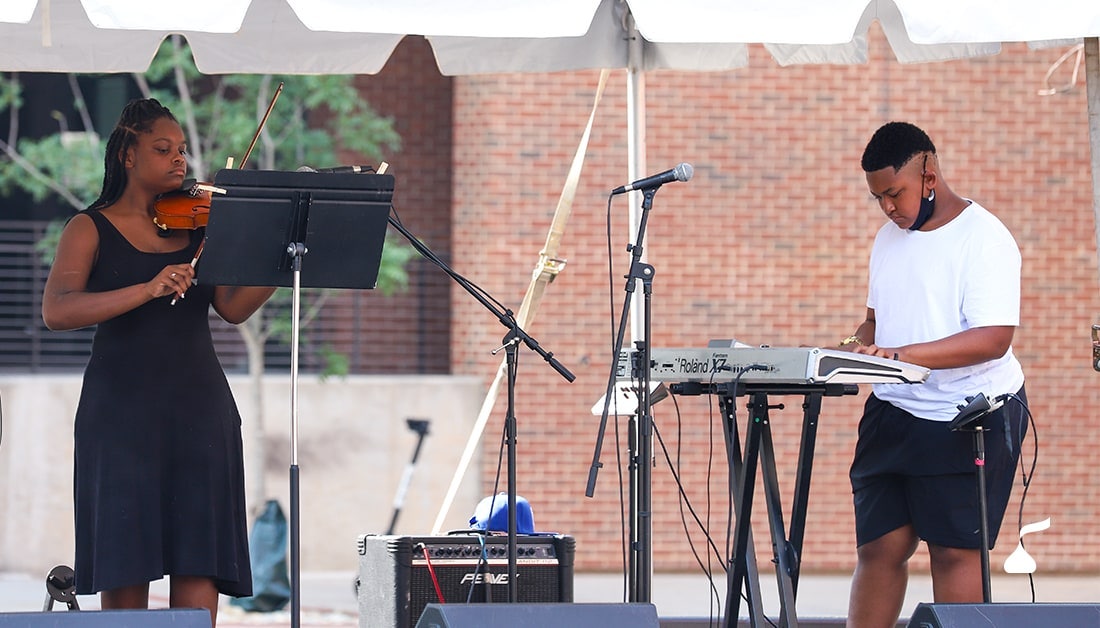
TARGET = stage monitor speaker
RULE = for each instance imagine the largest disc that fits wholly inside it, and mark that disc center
(153, 618)
(1004, 615)
(539, 616)
(395, 580)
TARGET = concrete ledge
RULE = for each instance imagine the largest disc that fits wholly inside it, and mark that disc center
(354, 446)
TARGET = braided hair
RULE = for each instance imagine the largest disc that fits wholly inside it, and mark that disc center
(138, 116)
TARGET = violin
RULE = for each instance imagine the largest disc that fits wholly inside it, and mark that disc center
(186, 208)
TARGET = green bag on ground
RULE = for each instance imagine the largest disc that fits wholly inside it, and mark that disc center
(267, 546)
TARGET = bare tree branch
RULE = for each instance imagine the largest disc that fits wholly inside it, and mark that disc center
(215, 125)
(82, 108)
(314, 308)
(38, 175)
(13, 120)
(79, 103)
(142, 84)
(184, 88)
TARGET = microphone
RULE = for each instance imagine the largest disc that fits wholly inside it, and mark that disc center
(681, 172)
(337, 169)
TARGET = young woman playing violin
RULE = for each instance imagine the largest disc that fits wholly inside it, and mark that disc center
(158, 473)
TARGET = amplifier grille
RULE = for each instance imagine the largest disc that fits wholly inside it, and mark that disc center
(396, 584)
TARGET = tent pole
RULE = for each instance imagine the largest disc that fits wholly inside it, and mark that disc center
(1092, 84)
(635, 142)
(640, 555)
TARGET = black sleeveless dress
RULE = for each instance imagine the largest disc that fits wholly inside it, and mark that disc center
(159, 471)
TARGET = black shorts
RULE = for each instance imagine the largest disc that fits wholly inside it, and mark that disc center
(915, 471)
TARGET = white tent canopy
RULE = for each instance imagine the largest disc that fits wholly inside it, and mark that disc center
(498, 36)
(478, 36)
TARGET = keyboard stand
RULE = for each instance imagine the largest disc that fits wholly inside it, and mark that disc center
(742, 573)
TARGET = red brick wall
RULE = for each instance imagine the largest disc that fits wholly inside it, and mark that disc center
(409, 332)
(768, 243)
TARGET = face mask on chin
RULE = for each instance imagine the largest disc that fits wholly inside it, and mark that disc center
(927, 206)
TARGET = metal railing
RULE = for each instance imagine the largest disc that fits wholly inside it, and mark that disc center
(374, 340)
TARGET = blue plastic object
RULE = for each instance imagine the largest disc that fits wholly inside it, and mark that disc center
(498, 521)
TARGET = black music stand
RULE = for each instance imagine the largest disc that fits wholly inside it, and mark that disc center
(258, 234)
(340, 218)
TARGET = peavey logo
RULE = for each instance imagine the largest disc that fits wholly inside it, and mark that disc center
(485, 578)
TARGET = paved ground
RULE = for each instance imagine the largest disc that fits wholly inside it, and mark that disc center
(328, 599)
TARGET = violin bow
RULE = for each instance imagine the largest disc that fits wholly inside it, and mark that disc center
(263, 121)
(244, 160)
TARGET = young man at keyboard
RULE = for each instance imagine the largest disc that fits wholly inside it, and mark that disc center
(943, 293)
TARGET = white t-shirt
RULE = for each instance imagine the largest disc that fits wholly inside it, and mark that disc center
(927, 285)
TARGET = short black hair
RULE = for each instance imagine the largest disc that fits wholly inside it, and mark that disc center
(894, 144)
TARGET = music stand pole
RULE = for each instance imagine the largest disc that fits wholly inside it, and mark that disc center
(971, 418)
(296, 250)
(341, 218)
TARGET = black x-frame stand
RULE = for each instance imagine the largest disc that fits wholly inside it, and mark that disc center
(741, 575)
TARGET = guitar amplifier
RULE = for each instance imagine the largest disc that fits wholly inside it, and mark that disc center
(395, 580)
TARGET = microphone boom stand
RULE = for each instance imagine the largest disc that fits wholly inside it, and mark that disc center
(640, 563)
(512, 357)
(514, 337)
